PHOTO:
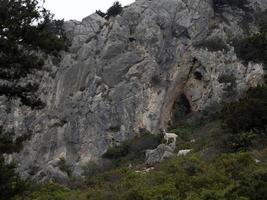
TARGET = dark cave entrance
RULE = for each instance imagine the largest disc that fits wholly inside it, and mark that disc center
(180, 110)
(198, 76)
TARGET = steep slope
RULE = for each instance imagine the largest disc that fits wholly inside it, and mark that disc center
(124, 75)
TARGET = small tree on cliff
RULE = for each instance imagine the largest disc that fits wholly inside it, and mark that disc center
(25, 28)
(113, 11)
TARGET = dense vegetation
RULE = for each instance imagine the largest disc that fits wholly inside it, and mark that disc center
(254, 48)
(228, 177)
(128, 153)
(240, 4)
(27, 32)
(246, 119)
(10, 182)
(25, 29)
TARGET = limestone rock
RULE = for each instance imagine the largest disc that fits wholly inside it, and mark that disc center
(162, 152)
(123, 75)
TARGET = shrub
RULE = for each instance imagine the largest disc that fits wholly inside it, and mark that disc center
(212, 44)
(249, 113)
(49, 192)
(253, 48)
(25, 30)
(10, 182)
(93, 168)
(114, 10)
(241, 4)
(229, 176)
(100, 13)
(133, 151)
(63, 166)
(241, 141)
(117, 152)
(225, 78)
(246, 119)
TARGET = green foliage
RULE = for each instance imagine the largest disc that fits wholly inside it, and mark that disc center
(212, 44)
(50, 192)
(249, 113)
(246, 119)
(24, 30)
(228, 177)
(26, 94)
(133, 150)
(92, 169)
(113, 11)
(117, 152)
(241, 141)
(241, 4)
(10, 182)
(225, 78)
(253, 48)
(63, 166)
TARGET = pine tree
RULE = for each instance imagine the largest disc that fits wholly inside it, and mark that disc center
(25, 29)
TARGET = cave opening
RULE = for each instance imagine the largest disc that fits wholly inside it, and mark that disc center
(131, 39)
(181, 109)
(198, 76)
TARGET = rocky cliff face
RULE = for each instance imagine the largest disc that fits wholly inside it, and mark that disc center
(126, 74)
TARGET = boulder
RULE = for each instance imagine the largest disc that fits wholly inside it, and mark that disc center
(162, 152)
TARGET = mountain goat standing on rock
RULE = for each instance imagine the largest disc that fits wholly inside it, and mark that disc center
(169, 136)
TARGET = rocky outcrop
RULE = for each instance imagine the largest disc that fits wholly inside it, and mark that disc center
(125, 74)
(161, 153)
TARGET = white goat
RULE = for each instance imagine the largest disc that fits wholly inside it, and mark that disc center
(168, 136)
(184, 152)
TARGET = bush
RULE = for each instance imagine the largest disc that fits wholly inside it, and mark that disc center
(240, 141)
(228, 177)
(225, 78)
(246, 119)
(241, 4)
(49, 192)
(10, 182)
(64, 167)
(25, 30)
(133, 151)
(231, 176)
(248, 114)
(212, 44)
(114, 10)
(100, 13)
(253, 48)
